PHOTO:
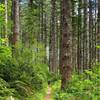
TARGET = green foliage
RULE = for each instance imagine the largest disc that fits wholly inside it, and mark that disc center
(4, 88)
(27, 25)
(98, 46)
(3, 22)
(5, 52)
(22, 74)
(82, 87)
(36, 96)
(2, 9)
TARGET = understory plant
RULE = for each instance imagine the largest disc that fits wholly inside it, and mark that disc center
(21, 77)
(85, 86)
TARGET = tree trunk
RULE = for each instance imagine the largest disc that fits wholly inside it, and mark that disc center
(85, 37)
(15, 18)
(6, 19)
(53, 42)
(74, 36)
(30, 3)
(65, 43)
(98, 34)
(79, 38)
(90, 33)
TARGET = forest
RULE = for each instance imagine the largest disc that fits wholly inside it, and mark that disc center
(49, 49)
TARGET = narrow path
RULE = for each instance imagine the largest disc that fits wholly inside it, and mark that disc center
(48, 96)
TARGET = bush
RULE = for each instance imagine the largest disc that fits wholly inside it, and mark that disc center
(82, 87)
(22, 74)
(5, 90)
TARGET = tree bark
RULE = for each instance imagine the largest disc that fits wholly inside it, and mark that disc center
(53, 42)
(79, 38)
(85, 37)
(74, 35)
(6, 18)
(30, 3)
(15, 19)
(90, 33)
(65, 43)
(98, 33)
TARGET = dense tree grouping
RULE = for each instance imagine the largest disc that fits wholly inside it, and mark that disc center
(49, 40)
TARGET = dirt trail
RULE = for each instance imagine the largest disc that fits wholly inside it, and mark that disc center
(48, 96)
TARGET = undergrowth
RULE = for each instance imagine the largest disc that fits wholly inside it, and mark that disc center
(85, 86)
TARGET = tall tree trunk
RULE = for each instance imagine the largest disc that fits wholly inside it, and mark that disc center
(42, 22)
(53, 42)
(6, 18)
(79, 38)
(74, 36)
(90, 32)
(86, 37)
(45, 37)
(57, 41)
(66, 42)
(98, 33)
(30, 3)
(95, 33)
(94, 9)
(15, 18)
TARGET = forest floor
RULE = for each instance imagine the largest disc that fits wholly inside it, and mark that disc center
(48, 95)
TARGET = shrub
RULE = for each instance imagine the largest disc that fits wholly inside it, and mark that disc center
(5, 90)
(22, 74)
(82, 87)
